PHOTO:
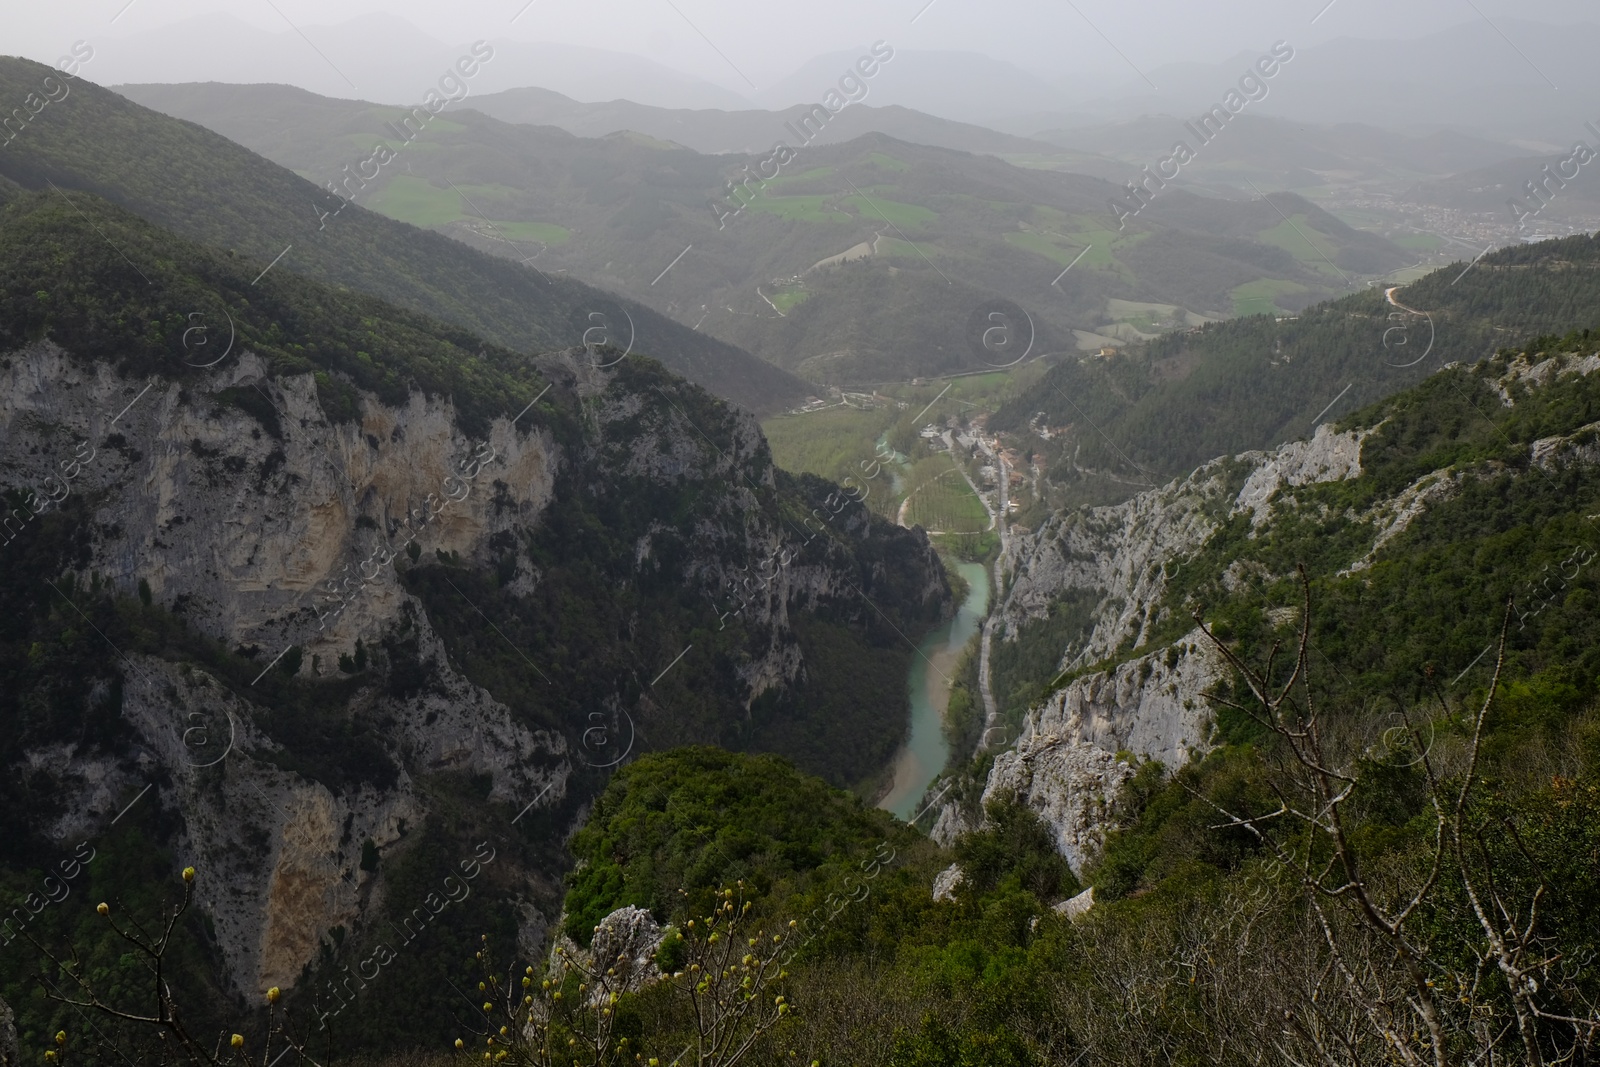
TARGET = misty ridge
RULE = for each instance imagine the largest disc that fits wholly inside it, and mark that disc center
(667, 533)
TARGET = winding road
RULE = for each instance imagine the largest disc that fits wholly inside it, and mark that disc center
(1389, 295)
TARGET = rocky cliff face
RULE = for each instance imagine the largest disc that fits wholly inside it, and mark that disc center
(309, 546)
(1078, 748)
(1125, 554)
(1074, 750)
(1146, 700)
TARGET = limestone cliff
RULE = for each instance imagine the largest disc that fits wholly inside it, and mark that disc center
(1131, 678)
(1073, 751)
(322, 552)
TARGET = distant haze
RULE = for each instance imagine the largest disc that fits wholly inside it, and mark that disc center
(999, 58)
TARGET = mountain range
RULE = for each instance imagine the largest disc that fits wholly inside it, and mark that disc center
(1279, 741)
(1514, 79)
(200, 464)
(858, 262)
(205, 187)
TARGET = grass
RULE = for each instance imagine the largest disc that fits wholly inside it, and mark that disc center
(836, 441)
(804, 208)
(987, 387)
(482, 194)
(549, 233)
(800, 176)
(408, 198)
(942, 500)
(1362, 220)
(1297, 237)
(971, 394)
(1048, 247)
(1419, 242)
(1260, 297)
(830, 443)
(893, 211)
(1083, 231)
(1407, 275)
(893, 246)
(785, 299)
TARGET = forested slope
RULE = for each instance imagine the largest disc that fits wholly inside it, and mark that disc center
(1173, 403)
(1387, 850)
(318, 595)
(198, 184)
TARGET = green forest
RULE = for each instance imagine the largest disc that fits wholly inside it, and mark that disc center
(1385, 849)
(115, 291)
(1164, 407)
(1389, 824)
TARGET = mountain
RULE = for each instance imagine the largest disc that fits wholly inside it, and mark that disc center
(1165, 699)
(383, 57)
(1164, 407)
(1144, 855)
(205, 187)
(1381, 563)
(572, 565)
(1231, 644)
(862, 262)
(1565, 194)
(1509, 78)
(713, 131)
(966, 87)
(1283, 153)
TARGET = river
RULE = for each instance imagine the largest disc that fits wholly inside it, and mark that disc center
(924, 755)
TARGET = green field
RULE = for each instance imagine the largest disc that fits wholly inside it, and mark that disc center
(1049, 247)
(891, 211)
(362, 143)
(832, 442)
(1362, 220)
(1419, 242)
(797, 178)
(841, 441)
(408, 198)
(1102, 242)
(944, 502)
(1082, 232)
(1260, 297)
(1297, 237)
(547, 232)
(805, 208)
(789, 298)
(417, 201)
(893, 246)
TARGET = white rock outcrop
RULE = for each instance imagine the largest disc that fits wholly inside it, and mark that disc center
(1077, 907)
(626, 941)
(1327, 457)
(1076, 749)
(946, 881)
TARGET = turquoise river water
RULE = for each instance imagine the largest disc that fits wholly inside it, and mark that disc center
(924, 755)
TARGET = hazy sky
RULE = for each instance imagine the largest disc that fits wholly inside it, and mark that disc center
(1089, 39)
